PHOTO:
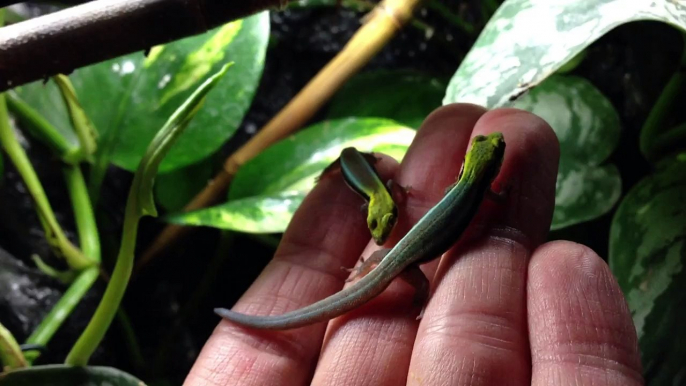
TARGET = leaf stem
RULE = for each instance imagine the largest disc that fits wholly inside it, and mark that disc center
(107, 308)
(83, 127)
(86, 225)
(43, 130)
(90, 245)
(62, 309)
(53, 232)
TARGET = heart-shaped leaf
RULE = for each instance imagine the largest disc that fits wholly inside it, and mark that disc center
(587, 127)
(648, 257)
(129, 98)
(268, 189)
(404, 96)
(527, 40)
(61, 375)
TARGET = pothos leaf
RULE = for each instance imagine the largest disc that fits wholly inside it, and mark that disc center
(269, 188)
(587, 127)
(648, 257)
(528, 40)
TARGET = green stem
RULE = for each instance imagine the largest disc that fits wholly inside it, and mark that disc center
(448, 15)
(43, 130)
(107, 309)
(82, 126)
(90, 245)
(11, 356)
(62, 309)
(655, 125)
(53, 231)
(83, 212)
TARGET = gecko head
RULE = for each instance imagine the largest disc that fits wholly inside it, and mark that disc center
(381, 224)
(484, 158)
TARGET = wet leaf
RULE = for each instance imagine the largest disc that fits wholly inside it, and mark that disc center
(268, 189)
(129, 98)
(587, 127)
(647, 255)
(404, 96)
(528, 40)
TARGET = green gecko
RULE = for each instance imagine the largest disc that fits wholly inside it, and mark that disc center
(361, 176)
(433, 235)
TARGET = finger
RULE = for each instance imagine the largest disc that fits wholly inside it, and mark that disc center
(372, 345)
(327, 232)
(580, 326)
(474, 329)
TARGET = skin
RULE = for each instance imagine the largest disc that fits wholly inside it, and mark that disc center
(361, 176)
(437, 231)
(506, 308)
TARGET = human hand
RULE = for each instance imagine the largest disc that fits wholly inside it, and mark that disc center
(505, 309)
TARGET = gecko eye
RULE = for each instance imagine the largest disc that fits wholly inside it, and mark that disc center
(373, 224)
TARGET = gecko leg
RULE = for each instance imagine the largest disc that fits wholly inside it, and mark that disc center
(369, 264)
(416, 278)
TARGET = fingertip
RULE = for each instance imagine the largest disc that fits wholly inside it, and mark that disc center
(556, 259)
(577, 312)
(450, 112)
(529, 170)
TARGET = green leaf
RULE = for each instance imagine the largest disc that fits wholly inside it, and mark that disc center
(258, 214)
(647, 255)
(61, 375)
(129, 98)
(588, 129)
(404, 96)
(268, 189)
(527, 40)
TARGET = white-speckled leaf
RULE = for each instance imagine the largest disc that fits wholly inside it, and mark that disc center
(527, 40)
(587, 127)
(269, 188)
(648, 256)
